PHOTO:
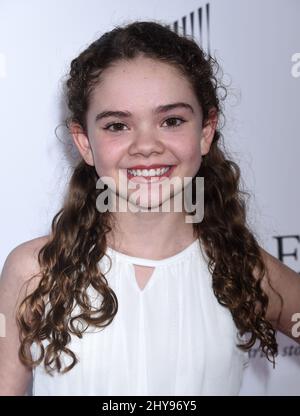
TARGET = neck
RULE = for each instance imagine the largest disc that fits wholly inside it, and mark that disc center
(153, 235)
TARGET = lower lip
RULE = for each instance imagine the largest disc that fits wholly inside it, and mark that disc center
(151, 179)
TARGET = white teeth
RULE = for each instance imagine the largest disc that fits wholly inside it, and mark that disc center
(148, 172)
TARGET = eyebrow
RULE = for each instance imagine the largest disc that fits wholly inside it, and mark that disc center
(158, 110)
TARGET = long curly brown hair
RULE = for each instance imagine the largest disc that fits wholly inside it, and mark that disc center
(69, 261)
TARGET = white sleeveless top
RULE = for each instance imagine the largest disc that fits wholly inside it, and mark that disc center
(170, 338)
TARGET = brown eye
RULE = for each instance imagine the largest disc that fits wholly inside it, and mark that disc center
(173, 123)
(113, 124)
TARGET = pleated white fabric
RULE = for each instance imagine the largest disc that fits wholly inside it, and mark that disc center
(170, 338)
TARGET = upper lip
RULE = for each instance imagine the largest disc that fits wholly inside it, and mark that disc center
(156, 166)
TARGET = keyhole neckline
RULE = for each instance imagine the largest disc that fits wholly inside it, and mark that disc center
(154, 263)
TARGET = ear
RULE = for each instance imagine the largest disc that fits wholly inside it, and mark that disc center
(82, 143)
(208, 131)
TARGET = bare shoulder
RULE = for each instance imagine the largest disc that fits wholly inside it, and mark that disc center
(19, 267)
(282, 286)
(22, 261)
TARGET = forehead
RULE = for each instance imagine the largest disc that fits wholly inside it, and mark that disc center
(141, 82)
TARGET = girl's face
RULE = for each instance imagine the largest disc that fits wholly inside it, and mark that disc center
(131, 124)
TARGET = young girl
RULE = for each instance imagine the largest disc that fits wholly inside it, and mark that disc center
(143, 302)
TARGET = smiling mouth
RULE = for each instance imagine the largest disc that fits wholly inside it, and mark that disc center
(150, 174)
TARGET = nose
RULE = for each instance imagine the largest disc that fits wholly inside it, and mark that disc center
(146, 143)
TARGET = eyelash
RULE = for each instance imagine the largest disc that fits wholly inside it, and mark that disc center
(170, 118)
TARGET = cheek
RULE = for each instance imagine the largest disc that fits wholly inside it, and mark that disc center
(105, 161)
(195, 163)
(191, 154)
(107, 155)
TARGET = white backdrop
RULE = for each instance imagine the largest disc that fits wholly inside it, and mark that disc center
(257, 43)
